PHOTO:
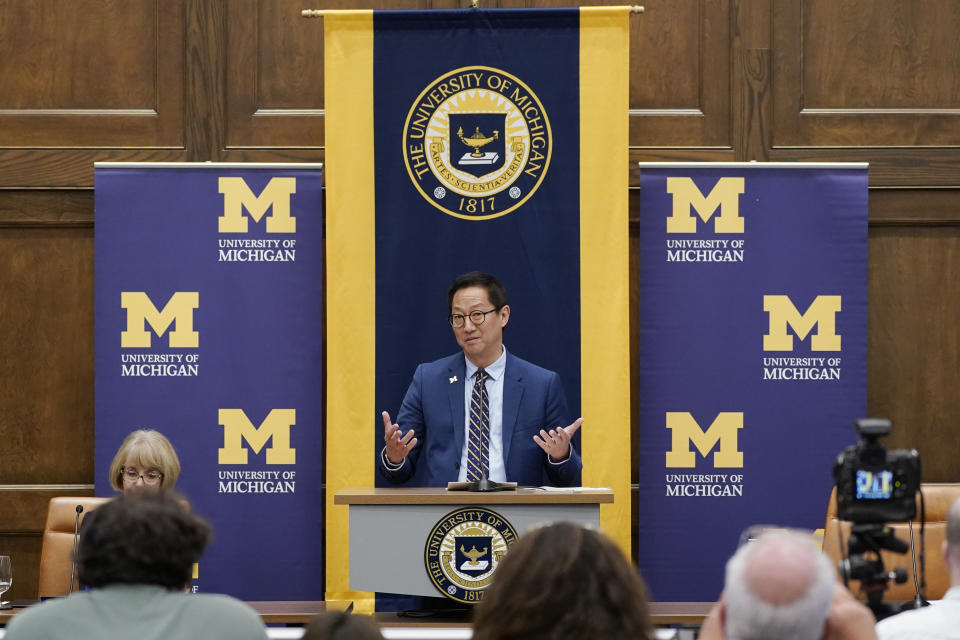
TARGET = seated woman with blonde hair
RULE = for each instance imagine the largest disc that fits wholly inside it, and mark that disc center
(146, 459)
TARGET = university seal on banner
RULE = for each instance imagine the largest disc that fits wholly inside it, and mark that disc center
(464, 549)
(477, 143)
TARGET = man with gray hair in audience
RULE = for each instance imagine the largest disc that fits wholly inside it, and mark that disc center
(941, 620)
(781, 587)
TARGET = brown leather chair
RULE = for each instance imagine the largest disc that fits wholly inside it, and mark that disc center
(938, 498)
(57, 550)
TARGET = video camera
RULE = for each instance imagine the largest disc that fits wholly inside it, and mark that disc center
(875, 485)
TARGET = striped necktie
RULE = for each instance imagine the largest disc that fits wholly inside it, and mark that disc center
(478, 440)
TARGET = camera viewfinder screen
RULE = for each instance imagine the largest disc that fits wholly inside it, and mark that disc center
(874, 485)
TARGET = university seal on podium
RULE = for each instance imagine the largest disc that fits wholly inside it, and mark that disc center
(463, 551)
(477, 143)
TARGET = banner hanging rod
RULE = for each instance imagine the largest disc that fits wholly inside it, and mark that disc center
(319, 13)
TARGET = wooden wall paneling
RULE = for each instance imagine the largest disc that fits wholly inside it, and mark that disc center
(29, 504)
(68, 168)
(205, 126)
(24, 551)
(914, 207)
(88, 73)
(21, 530)
(20, 208)
(88, 80)
(751, 80)
(889, 167)
(881, 54)
(753, 105)
(274, 74)
(860, 74)
(867, 72)
(680, 75)
(681, 105)
(913, 342)
(46, 372)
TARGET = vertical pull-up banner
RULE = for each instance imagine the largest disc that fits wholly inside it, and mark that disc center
(753, 317)
(209, 330)
(490, 140)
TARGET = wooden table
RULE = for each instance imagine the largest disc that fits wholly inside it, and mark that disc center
(296, 612)
(685, 613)
(281, 612)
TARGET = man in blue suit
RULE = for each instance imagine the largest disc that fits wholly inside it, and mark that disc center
(483, 412)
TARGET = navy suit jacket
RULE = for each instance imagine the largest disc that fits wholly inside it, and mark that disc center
(433, 407)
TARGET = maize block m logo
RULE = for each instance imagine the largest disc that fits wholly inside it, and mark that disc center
(237, 428)
(821, 313)
(725, 195)
(685, 430)
(178, 311)
(275, 196)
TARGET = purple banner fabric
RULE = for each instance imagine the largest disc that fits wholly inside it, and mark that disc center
(209, 329)
(753, 314)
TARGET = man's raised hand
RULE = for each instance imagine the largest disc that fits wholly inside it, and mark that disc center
(397, 447)
(556, 442)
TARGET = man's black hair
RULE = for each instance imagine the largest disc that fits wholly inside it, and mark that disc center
(145, 537)
(495, 290)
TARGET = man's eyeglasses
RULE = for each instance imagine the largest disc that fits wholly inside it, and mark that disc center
(150, 477)
(457, 320)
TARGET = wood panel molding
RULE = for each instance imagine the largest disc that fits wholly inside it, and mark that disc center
(912, 342)
(93, 74)
(46, 372)
(274, 76)
(46, 208)
(680, 75)
(25, 505)
(914, 207)
(89, 80)
(869, 80)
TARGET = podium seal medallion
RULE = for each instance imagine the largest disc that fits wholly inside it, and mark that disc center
(463, 551)
(477, 143)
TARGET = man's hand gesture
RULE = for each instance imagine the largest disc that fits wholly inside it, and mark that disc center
(397, 447)
(556, 442)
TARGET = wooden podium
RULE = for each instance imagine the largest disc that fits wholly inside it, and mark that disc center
(390, 528)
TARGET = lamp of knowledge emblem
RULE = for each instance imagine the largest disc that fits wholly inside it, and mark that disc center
(477, 143)
(464, 550)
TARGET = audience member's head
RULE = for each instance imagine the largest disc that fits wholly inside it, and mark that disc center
(951, 545)
(145, 459)
(779, 586)
(142, 537)
(337, 625)
(564, 581)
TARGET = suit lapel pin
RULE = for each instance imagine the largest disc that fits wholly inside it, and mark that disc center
(453, 379)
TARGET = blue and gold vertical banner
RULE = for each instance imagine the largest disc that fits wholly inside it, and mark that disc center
(491, 140)
(753, 345)
(209, 330)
